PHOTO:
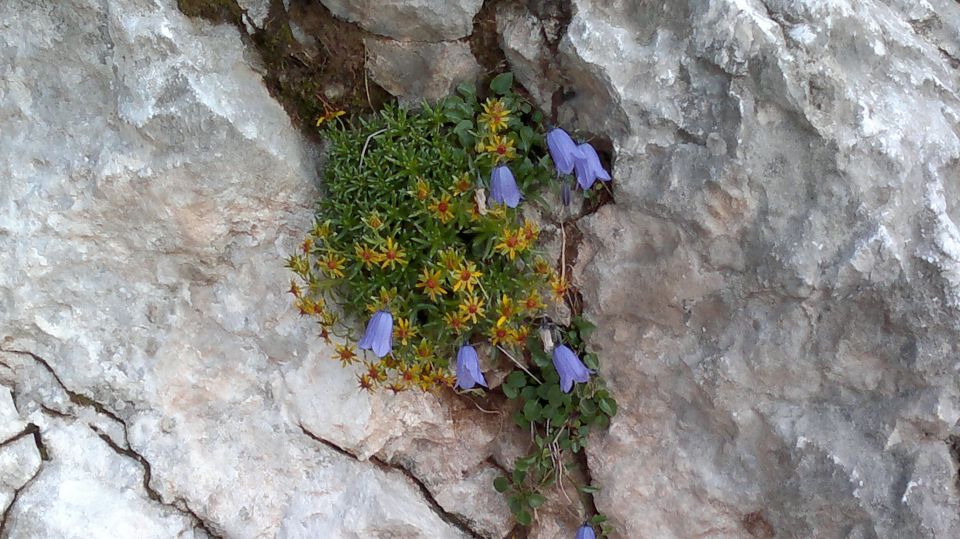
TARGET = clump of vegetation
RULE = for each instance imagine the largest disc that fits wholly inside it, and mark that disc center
(421, 235)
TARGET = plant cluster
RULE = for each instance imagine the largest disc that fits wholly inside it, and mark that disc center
(420, 232)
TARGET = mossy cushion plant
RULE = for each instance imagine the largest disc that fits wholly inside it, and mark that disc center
(420, 238)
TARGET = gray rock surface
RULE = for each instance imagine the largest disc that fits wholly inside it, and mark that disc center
(152, 190)
(777, 286)
(523, 39)
(410, 20)
(414, 71)
(777, 283)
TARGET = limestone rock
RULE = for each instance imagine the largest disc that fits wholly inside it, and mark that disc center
(776, 285)
(256, 13)
(410, 20)
(523, 40)
(152, 191)
(417, 71)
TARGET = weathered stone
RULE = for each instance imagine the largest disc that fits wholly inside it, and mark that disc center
(414, 72)
(524, 43)
(152, 191)
(410, 20)
(256, 12)
(776, 285)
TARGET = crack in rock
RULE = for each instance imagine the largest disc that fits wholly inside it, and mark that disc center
(152, 493)
(76, 398)
(34, 430)
(85, 401)
(385, 466)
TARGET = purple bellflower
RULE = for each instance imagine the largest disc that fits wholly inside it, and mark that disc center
(569, 368)
(468, 368)
(503, 187)
(563, 150)
(588, 167)
(379, 334)
(585, 532)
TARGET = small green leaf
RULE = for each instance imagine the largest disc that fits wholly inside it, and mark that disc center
(516, 379)
(608, 406)
(531, 410)
(514, 503)
(588, 407)
(510, 391)
(467, 90)
(536, 500)
(523, 517)
(501, 83)
(501, 484)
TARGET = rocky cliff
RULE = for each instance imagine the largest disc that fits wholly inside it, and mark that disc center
(777, 282)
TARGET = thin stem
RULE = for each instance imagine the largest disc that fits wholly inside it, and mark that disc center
(518, 364)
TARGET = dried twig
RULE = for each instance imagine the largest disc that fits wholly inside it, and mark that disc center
(367, 142)
(518, 364)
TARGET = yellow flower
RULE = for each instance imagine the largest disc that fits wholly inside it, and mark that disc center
(506, 310)
(449, 259)
(520, 335)
(383, 300)
(376, 372)
(530, 232)
(345, 354)
(295, 289)
(332, 265)
(455, 322)
(470, 308)
(541, 267)
(510, 243)
(559, 286)
(462, 184)
(410, 376)
(465, 277)
(532, 302)
(367, 256)
(500, 148)
(423, 351)
(442, 208)
(392, 254)
(307, 306)
(330, 115)
(404, 331)
(365, 382)
(374, 221)
(422, 191)
(321, 231)
(299, 264)
(495, 115)
(501, 335)
(430, 282)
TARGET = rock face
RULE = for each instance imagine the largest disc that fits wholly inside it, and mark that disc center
(162, 386)
(410, 20)
(413, 72)
(777, 285)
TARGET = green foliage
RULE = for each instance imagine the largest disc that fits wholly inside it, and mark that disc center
(403, 226)
(559, 422)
